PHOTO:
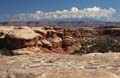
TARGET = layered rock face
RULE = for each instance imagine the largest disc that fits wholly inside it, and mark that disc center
(69, 44)
(44, 38)
(21, 38)
(94, 65)
(41, 44)
(59, 40)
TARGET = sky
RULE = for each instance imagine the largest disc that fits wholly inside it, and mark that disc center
(36, 10)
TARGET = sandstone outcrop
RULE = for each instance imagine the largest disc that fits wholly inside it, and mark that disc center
(61, 40)
(95, 65)
(21, 38)
(69, 44)
(40, 30)
(42, 52)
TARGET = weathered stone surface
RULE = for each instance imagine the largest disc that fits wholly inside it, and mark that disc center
(95, 65)
(26, 34)
(69, 44)
(68, 41)
(21, 38)
(60, 40)
(27, 50)
(40, 30)
(4, 29)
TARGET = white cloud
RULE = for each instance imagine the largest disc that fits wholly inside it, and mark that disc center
(74, 12)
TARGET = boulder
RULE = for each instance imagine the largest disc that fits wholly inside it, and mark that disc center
(54, 40)
(3, 31)
(68, 41)
(56, 45)
(70, 49)
(69, 45)
(21, 38)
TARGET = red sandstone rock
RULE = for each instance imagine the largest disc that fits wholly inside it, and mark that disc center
(68, 41)
(70, 49)
(77, 33)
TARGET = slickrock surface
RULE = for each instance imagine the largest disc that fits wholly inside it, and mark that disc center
(94, 65)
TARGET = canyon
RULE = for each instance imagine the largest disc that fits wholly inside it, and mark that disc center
(56, 52)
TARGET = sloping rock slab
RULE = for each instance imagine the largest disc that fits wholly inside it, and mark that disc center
(61, 66)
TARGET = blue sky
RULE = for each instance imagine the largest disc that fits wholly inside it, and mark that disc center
(12, 9)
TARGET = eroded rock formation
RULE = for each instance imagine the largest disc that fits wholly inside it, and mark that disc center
(60, 40)
(41, 45)
(21, 38)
